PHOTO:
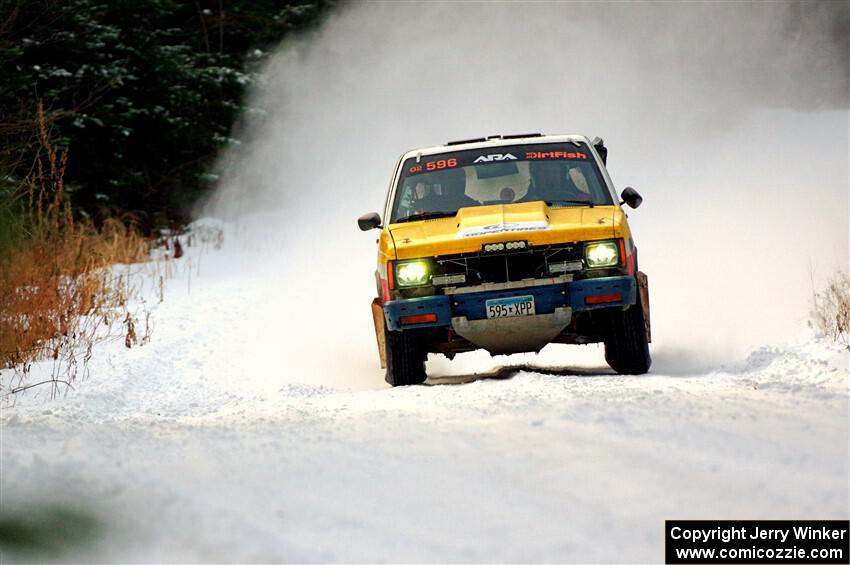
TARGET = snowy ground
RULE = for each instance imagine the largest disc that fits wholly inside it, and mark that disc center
(232, 437)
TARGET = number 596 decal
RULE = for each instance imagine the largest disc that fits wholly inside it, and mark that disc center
(441, 164)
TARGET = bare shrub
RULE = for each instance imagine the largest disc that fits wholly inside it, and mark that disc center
(831, 309)
(59, 291)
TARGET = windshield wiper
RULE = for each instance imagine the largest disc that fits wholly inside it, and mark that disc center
(585, 202)
(425, 216)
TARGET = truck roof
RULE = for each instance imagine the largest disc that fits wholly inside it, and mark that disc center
(495, 141)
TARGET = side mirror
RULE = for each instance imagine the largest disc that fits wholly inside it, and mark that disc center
(369, 221)
(631, 197)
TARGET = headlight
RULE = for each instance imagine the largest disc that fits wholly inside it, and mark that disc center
(412, 273)
(601, 254)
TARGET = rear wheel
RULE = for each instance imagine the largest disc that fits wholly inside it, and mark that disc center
(626, 346)
(406, 356)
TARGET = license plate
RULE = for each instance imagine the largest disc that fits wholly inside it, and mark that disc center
(513, 306)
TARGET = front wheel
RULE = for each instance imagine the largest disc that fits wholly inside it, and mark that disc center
(626, 345)
(406, 356)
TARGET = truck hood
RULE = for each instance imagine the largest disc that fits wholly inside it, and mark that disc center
(470, 228)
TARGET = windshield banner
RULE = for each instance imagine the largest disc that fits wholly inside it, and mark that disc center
(487, 155)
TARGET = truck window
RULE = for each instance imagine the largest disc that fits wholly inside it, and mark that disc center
(446, 182)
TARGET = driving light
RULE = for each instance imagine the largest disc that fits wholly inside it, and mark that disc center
(565, 267)
(412, 273)
(444, 280)
(602, 254)
(510, 246)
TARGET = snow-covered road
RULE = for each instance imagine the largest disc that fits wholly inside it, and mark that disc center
(217, 441)
(256, 426)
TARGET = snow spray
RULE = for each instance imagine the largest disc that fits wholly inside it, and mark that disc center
(730, 119)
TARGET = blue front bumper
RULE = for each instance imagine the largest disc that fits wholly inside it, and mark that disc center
(546, 299)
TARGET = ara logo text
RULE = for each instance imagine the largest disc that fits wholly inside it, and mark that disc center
(495, 157)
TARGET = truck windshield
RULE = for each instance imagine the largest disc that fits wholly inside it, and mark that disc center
(561, 174)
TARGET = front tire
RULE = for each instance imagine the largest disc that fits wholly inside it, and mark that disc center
(406, 356)
(626, 346)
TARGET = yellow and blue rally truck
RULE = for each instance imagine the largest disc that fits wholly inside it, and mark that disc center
(506, 243)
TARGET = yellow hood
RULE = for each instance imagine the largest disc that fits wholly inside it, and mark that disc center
(471, 228)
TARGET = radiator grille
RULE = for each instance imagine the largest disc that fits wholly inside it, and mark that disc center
(507, 266)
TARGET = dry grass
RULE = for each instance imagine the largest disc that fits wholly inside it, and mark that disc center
(831, 309)
(58, 294)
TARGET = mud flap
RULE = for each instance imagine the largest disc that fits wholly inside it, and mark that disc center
(378, 318)
(643, 295)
